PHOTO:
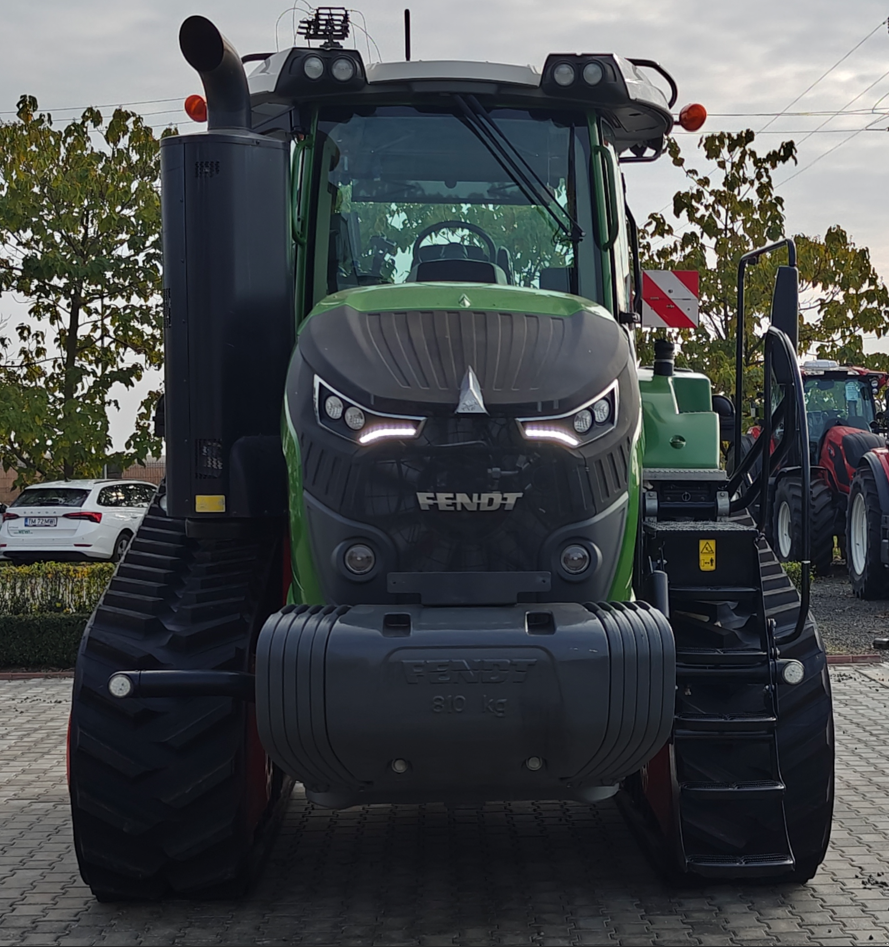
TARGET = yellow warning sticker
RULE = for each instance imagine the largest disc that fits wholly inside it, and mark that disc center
(707, 555)
(209, 504)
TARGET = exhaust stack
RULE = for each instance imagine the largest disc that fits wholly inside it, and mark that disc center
(221, 71)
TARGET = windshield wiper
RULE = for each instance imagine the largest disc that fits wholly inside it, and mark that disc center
(514, 164)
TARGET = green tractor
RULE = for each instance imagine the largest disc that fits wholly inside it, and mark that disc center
(428, 532)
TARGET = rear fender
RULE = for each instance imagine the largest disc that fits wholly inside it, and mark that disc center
(878, 461)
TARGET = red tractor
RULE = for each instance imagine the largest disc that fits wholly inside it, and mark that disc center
(850, 477)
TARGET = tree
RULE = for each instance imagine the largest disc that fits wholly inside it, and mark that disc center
(736, 210)
(80, 244)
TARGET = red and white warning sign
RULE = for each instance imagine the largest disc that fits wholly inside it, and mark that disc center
(670, 298)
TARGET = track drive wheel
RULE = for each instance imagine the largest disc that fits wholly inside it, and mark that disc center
(174, 796)
(867, 574)
(787, 519)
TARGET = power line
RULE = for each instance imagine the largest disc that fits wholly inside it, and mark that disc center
(801, 131)
(109, 105)
(839, 144)
(826, 74)
(855, 99)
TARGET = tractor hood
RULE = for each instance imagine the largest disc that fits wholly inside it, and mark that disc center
(531, 352)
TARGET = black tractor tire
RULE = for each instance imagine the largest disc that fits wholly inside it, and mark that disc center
(787, 513)
(174, 796)
(822, 527)
(864, 533)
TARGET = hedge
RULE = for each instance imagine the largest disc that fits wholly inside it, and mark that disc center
(40, 641)
(53, 587)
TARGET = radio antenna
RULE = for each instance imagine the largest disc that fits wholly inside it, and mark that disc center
(407, 35)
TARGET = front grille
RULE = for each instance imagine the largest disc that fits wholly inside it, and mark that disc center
(473, 456)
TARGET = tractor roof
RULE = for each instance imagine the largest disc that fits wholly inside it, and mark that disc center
(621, 90)
(825, 367)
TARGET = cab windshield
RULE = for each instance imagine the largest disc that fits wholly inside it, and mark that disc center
(432, 195)
(848, 399)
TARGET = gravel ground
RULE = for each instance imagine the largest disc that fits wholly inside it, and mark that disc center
(848, 624)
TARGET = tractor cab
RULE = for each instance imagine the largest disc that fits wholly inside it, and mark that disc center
(837, 396)
(462, 172)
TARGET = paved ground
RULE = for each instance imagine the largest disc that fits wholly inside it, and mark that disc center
(847, 624)
(508, 874)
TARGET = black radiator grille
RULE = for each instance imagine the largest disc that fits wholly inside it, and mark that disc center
(471, 456)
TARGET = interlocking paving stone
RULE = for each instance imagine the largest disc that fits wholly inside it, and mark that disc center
(529, 873)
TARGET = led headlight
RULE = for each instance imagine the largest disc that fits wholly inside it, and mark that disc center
(575, 559)
(341, 416)
(334, 407)
(580, 426)
(583, 421)
(354, 418)
(602, 410)
(359, 559)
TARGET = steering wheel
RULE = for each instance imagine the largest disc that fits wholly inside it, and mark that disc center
(490, 247)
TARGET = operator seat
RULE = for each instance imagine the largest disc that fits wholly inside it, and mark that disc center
(454, 263)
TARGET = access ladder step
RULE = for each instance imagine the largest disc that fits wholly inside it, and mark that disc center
(759, 789)
(735, 725)
(720, 866)
(730, 593)
(742, 657)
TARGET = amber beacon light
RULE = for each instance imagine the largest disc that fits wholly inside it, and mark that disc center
(196, 108)
(692, 117)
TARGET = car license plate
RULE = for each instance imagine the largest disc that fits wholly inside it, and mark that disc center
(41, 520)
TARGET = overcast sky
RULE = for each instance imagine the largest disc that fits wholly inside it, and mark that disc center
(743, 61)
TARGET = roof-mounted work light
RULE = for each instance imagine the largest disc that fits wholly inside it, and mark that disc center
(577, 73)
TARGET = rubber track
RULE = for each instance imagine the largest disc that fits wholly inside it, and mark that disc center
(805, 723)
(805, 739)
(158, 786)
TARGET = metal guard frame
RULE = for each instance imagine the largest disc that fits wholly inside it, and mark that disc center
(792, 411)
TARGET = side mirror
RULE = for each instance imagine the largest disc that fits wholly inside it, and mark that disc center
(785, 304)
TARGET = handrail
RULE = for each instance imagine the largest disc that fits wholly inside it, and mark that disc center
(792, 410)
(751, 258)
(801, 428)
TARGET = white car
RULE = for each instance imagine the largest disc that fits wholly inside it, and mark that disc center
(74, 520)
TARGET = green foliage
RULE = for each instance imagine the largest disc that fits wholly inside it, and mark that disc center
(80, 242)
(736, 210)
(525, 229)
(53, 587)
(40, 641)
(794, 572)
